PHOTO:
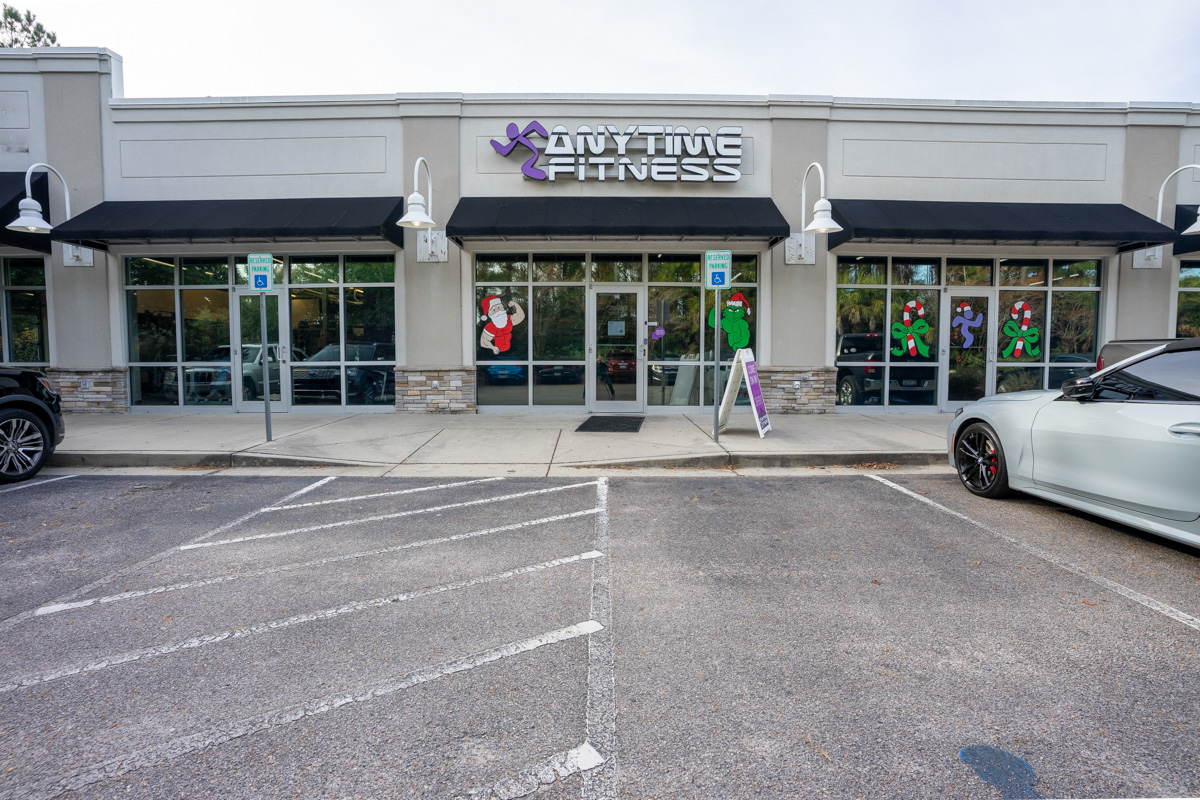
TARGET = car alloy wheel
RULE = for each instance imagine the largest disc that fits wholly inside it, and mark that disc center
(848, 394)
(980, 461)
(22, 445)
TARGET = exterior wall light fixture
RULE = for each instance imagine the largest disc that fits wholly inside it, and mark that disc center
(1152, 258)
(431, 244)
(801, 248)
(31, 220)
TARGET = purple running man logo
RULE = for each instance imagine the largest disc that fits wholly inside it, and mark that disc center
(517, 136)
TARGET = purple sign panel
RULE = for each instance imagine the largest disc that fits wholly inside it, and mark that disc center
(756, 399)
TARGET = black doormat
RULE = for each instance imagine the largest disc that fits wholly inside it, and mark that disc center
(622, 424)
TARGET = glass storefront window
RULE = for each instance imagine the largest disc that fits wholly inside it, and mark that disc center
(27, 326)
(24, 272)
(1085, 272)
(1187, 310)
(616, 267)
(370, 323)
(204, 271)
(558, 323)
(205, 323)
(309, 269)
(151, 316)
(915, 271)
(556, 267)
(24, 325)
(968, 272)
(1023, 272)
(861, 269)
(154, 386)
(745, 269)
(341, 338)
(677, 312)
(499, 268)
(147, 271)
(675, 268)
(370, 269)
(1018, 379)
(1074, 320)
(316, 318)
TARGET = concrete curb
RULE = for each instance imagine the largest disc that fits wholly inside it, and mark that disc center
(211, 460)
(184, 459)
(779, 460)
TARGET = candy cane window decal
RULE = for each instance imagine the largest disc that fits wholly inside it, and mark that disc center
(908, 331)
(1023, 336)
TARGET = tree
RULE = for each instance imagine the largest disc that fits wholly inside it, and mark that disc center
(23, 31)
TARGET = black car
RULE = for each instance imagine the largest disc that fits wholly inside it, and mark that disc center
(31, 423)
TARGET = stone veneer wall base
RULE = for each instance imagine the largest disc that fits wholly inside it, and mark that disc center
(107, 390)
(816, 394)
(454, 394)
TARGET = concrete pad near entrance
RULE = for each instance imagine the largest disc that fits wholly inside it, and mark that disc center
(363, 438)
(532, 443)
(661, 438)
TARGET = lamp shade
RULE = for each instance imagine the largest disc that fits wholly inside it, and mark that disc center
(1194, 228)
(822, 219)
(416, 216)
(31, 219)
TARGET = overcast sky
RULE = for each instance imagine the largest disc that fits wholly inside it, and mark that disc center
(1083, 50)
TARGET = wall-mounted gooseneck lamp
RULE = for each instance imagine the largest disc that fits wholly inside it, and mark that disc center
(1152, 258)
(431, 244)
(32, 221)
(801, 247)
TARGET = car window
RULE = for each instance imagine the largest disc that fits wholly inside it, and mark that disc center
(1167, 377)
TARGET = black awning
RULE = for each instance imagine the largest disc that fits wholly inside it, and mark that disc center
(12, 192)
(937, 222)
(1185, 217)
(617, 217)
(282, 220)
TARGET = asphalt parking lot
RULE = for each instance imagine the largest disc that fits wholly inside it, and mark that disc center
(711, 635)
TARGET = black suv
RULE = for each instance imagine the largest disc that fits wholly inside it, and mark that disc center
(31, 423)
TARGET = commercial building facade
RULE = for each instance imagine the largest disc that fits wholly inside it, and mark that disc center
(985, 246)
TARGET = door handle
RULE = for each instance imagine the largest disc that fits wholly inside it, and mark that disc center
(1185, 429)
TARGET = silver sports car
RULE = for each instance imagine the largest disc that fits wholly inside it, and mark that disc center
(1123, 443)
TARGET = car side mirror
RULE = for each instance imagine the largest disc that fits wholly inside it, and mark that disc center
(1079, 388)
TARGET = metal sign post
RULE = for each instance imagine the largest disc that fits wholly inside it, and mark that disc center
(261, 269)
(718, 266)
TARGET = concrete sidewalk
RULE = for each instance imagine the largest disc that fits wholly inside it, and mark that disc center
(484, 444)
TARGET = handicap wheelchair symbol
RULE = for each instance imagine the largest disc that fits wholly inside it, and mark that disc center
(718, 279)
(260, 281)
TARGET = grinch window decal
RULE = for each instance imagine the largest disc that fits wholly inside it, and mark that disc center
(499, 320)
(734, 321)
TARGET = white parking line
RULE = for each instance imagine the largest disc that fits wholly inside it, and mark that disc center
(1124, 591)
(396, 515)
(258, 573)
(186, 745)
(278, 624)
(17, 619)
(383, 494)
(530, 779)
(600, 784)
(31, 485)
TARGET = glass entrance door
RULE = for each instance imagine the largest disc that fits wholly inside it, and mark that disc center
(253, 364)
(968, 347)
(617, 375)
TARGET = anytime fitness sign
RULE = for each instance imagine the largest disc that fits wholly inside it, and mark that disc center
(673, 153)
